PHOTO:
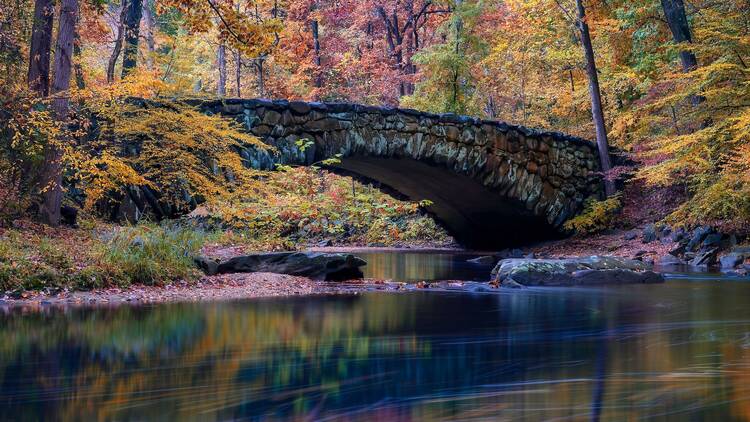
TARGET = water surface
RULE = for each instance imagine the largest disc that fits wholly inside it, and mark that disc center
(678, 351)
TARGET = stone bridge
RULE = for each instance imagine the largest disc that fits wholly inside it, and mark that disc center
(491, 184)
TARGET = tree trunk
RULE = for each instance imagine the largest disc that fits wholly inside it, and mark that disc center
(596, 99)
(77, 67)
(317, 81)
(41, 43)
(118, 44)
(132, 31)
(261, 76)
(148, 17)
(51, 174)
(394, 40)
(489, 107)
(238, 73)
(458, 27)
(674, 11)
(221, 58)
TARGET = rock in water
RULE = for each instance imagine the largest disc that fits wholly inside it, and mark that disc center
(705, 257)
(671, 260)
(732, 260)
(593, 270)
(319, 266)
(483, 260)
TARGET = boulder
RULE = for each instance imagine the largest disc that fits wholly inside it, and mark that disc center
(705, 257)
(510, 253)
(593, 270)
(69, 216)
(649, 234)
(319, 266)
(631, 235)
(664, 232)
(483, 260)
(615, 276)
(713, 240)
(697, 237)
(678, 235)
(670, 259)
(512, 284)
(732, 260)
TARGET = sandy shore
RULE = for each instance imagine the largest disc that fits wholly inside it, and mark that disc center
(213, 288)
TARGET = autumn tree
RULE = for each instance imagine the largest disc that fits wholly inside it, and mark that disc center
(41, 42)
(221, 60)
(674, 12)
(51, 173)
(449, 84)
(596, 98)
(403, 23)
(132, 25)
(119, 38)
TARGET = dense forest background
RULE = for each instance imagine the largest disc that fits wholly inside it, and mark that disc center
(664, 80)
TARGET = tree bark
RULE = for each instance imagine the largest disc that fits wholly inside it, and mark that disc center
(51, 174)
(148, 17)
(596, 98)
(238, 73)
(77, 67)
(318, 80)
(221, 58)
(674, 11)
(261, 76)
(118, 44)
(132, 31)
(458, 27)
(41, 43)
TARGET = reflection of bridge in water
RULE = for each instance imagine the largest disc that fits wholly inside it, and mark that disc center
(491, 184)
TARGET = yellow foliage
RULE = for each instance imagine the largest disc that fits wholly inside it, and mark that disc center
(305, 205)
(596, 216)
(177, 150)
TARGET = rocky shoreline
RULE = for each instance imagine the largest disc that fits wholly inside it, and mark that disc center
(231, 275)
(225, 287)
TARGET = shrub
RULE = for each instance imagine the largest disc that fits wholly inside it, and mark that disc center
(299, 206)
(596, 216)
(30, 266)
(25, 127)
(150, 254)
(184, 155)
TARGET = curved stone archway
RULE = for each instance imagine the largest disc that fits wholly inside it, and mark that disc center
(491, 184)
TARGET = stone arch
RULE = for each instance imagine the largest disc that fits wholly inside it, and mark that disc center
(491, 184)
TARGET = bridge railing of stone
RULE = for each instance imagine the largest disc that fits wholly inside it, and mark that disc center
(550, 173)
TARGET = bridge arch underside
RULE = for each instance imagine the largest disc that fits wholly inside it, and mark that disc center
(474, 214)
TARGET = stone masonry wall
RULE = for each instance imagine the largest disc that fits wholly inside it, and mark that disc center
(548, 173)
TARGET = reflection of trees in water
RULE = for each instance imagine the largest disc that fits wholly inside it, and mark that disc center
(231, 352)
(410, 266)
(421, 355)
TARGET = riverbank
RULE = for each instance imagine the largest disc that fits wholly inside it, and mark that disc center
(37, 260)
(106, 264)
(207, 289)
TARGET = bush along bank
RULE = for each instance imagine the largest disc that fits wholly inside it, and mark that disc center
(34, 258)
